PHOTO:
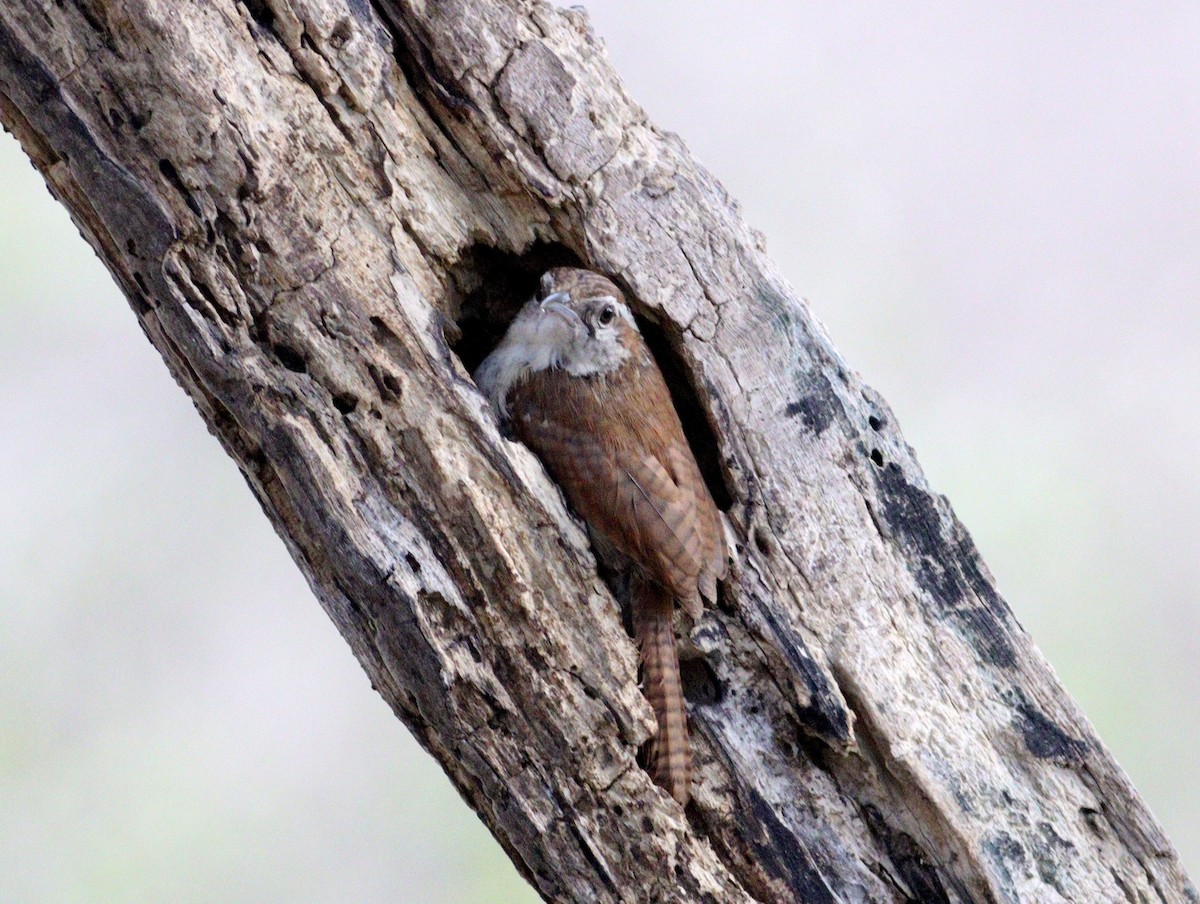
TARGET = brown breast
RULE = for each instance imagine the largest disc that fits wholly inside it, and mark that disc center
(615, 445)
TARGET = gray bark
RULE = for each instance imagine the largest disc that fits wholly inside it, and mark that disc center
(322, 211)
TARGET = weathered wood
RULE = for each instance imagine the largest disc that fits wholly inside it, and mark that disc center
(321, 210)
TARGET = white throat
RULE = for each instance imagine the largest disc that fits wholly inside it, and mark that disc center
(512, 360)
(536, 343)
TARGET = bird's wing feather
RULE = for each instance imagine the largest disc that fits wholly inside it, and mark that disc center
(663, 518)
(710, 532)
(629, 497)
(627, 469)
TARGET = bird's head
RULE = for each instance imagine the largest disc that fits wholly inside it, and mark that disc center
(587, 323)
(578, 323)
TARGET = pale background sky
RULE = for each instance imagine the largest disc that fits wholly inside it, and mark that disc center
(995, 209)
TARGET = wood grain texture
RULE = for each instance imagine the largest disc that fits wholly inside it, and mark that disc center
(293, 195)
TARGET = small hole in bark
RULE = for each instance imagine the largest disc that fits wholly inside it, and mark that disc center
(726, 597)
(647, 825)
(290, 358)
(138, 121)
(345, 403)
(876, 423)
(141, 282)
(473, 650)
(131, 247)
(388, 385)
(618, 810)
(341, 33)
(877, 457)
(261, 13)
(763, 543)
(701, 686)
(207, 294)
(167, 168)
(813, 748)
(412, 562)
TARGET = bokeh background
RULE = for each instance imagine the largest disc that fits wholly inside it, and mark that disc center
(995, 209)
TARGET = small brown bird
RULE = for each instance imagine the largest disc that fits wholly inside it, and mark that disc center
(586, 396)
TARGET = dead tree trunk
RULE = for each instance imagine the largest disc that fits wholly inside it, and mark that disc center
(322, 212)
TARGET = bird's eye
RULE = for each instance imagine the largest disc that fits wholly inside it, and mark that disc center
(607, 314)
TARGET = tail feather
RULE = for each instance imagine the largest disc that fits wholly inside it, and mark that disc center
(668, 754)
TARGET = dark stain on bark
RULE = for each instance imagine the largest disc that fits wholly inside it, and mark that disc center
(1048, 852)
(1044, 738)
(819, 406)
(992, 641)
(1006, 854)
(947, 568)
(825, 716)
(780, 853)
(921, 876)
(779, 308)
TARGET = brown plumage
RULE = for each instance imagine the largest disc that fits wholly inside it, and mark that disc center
(597, 412)
(669, 753)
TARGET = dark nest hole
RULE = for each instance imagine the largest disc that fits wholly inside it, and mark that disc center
(492, 285)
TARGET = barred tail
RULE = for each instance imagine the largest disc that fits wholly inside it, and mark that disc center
(668, 754)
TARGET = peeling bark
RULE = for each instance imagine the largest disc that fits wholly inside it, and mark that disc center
(323, 212)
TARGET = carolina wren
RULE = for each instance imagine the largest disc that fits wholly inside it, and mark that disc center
(585, 395)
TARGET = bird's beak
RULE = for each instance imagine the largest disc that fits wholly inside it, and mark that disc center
(556, 303)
